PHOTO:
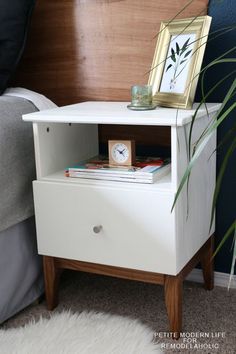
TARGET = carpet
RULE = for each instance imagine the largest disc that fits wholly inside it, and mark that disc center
(84, 333)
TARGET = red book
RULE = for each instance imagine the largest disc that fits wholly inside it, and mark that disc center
(149, 161)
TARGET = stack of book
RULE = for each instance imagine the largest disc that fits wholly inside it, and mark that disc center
(145, 170)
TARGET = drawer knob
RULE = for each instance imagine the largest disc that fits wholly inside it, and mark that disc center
(97, 229)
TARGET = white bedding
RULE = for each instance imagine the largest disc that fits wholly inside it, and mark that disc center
(40, 101)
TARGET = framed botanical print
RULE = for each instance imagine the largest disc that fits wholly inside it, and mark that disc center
(177, 61)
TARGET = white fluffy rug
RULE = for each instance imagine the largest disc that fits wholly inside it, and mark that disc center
(85, 333)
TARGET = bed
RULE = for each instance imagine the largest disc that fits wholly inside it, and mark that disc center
(76, 51)
(21, 280)
(20, 268)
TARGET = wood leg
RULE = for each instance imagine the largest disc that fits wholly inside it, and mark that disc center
(51, 280)
(173, 298)
(207, 265)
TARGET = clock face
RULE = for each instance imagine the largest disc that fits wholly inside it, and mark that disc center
(120, 153)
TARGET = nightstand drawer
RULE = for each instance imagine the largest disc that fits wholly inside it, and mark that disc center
(116, 226)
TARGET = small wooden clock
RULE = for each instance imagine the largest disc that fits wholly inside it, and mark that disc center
(121, 152)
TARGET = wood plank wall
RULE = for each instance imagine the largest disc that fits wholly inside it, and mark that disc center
(80, 50)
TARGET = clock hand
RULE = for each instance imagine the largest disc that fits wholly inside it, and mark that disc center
(121, 152)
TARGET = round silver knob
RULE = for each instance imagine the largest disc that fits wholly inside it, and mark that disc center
(97, 229)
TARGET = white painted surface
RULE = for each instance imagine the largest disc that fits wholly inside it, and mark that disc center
(117, 113)
(194, 209)
(139, 230)
(130, 237)
(60, 145)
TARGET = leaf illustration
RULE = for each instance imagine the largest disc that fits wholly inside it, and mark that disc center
(186, 43)
(185, 46)
(183, 61)
(168, 67)
(187, 53)
(177, 48)
(173, 55)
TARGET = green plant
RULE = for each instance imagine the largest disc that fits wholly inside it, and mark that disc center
(228, 106)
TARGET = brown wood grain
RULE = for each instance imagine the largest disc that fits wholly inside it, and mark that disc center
(94, 50)
(173, 298)
(203, 253)
(143, 135)
(207, 264)
(172, 284)
(51, 281)
(124, 273)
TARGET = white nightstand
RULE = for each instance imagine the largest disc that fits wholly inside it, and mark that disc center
(139, 237)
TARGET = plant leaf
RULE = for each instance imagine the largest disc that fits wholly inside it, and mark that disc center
(208, 128)
(218, 60)
(183, 61)
(187, 53)
(173, 18)
(168, 67)
(225, 139)
(189, 24)
(203, 102)
(226, 99)
(210, 37)
(177, 48)
(220, 177)
(200, 148)
(219, 119)
(185, 45)
(173, 55)
(234, 259)
(225, 237)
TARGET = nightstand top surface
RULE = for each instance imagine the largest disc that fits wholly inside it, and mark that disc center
(96, 112)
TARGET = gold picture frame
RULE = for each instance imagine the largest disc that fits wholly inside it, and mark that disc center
(177, 61)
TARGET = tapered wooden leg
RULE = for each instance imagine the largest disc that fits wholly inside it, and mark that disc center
(173, 299)
(207, 265)
(51, 280)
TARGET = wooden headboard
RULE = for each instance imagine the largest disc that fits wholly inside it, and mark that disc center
(79, 50)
